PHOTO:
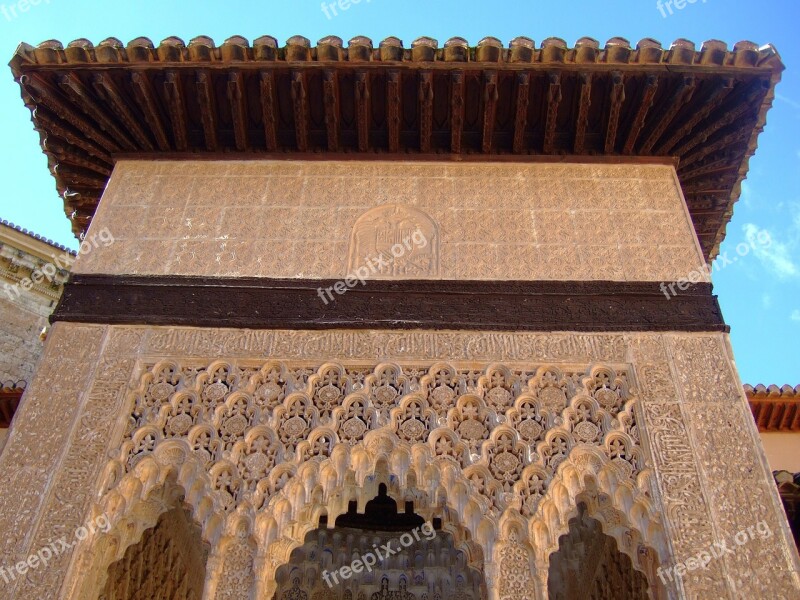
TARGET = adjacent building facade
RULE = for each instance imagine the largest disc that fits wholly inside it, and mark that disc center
(352, 290)
(32, 275)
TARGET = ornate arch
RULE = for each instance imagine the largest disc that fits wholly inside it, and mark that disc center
(623, 505)
(502, 455)
(167, 478)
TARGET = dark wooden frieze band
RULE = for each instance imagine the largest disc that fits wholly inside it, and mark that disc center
(258, 303)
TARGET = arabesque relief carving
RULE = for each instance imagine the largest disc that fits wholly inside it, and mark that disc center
(404, 238)
(492, 445)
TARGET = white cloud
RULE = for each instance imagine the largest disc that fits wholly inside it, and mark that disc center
(774, 255)
(795, 316)
(794, 104)
(747, 192)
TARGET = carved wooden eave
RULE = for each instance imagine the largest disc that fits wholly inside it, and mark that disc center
(775, 408)
(702, 109)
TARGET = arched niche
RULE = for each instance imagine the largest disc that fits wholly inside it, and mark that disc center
(589, 566)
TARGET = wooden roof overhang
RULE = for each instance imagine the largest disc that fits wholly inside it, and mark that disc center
(775, 409)
(701, 109)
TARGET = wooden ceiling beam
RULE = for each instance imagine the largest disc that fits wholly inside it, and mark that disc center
(490, 97)
(52, 124)
(44, 94)
(78, 176)
(145, 95)
(729, 116)
(734, 137)
(721, 164)
(267, 92)
(173, 90)
(106, 88)
(717, 97)
(617, 98)
(648, 96)
(393, 81)
(362, 94)
(331, 99)
(521, 111)
(457, 108)
(425, 110)
(300, 107)
(680, 97)
(584, 103)
(554, 97)
(236, 96)
(73, 87)
(208, 110)
(67, 153)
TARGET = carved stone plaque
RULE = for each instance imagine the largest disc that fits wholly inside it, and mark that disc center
(394, 241)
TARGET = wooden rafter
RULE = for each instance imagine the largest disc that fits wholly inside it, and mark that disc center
(393, 81)
(145, 94)
(729, 117)
(238, 109)
(648, 96)
(554, 97)
(267, 89)
(208, 112)
(711, 104)
(300, 105)
(46, 96)
(617, 98)
(106, 87)
(521, 111)
(362, 109)
(331, 100)
(52, 124)
(583, 112)
(67, 153)
(490, 97)
(676, 102)
(457, 106)
(173, 90)
(73, 87)
(425, 110)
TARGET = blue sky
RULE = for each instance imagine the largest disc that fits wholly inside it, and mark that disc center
(759, 293)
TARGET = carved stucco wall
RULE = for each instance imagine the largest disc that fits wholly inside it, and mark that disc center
(295, 219)
(700, 478)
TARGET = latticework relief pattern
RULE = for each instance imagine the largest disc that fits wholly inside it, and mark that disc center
(508, 429)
